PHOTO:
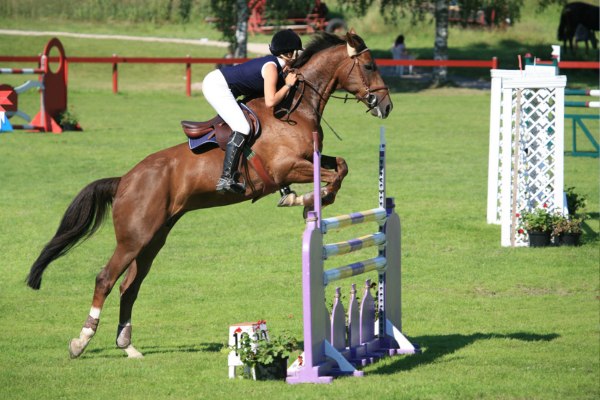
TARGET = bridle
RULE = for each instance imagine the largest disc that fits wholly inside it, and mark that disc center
(368, 97)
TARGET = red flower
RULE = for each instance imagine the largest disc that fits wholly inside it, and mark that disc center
(518, 215)
(545, 205)
(521, 231)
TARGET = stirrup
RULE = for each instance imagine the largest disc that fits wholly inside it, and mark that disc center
(230, 185)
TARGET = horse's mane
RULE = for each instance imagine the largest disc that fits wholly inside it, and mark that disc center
(322, 41)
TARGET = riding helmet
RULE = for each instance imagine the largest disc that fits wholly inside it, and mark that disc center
(285, 41)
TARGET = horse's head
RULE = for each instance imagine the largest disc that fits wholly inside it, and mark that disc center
(360, 76)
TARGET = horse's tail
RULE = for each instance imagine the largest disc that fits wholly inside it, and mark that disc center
(82, 218)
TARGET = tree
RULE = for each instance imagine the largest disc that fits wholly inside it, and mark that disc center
(241, 31)
(440, 48)
(232, 17)
(391, 10)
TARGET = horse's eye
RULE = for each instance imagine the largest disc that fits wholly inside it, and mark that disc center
(370, 67)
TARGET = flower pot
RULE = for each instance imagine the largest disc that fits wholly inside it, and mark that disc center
(539, 239)
(277, 370)
(569, 239)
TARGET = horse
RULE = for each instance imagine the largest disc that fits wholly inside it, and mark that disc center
(149, 199)
(573, 15)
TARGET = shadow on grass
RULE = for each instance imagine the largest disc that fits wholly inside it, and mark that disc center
(194, 348)
(589, 234)
(436, 347)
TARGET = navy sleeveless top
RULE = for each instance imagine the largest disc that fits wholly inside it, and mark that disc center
(246, 79)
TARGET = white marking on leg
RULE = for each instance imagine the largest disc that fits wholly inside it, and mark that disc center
(95, 312)
(132, 352)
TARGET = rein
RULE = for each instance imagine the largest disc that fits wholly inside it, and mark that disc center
(368, 98)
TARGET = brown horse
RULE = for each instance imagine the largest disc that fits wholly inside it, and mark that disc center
(149, 199)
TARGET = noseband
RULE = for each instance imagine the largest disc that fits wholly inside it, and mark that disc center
(368, 98)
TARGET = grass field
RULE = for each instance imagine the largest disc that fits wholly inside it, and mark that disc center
(493, 322)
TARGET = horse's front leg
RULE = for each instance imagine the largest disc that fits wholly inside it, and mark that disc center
(333, 172)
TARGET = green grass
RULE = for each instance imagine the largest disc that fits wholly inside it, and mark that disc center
(493, 322)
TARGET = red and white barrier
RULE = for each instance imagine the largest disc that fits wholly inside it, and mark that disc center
(53, 93)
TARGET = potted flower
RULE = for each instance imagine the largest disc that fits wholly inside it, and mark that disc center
(538, 224)
(266, 359)
(567, 230)
(68, 121)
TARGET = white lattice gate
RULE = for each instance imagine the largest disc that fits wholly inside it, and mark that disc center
(526, 148)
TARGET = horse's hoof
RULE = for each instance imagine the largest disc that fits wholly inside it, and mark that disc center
(288, 200)
(305, 212)
(132, 352)
(76, 347)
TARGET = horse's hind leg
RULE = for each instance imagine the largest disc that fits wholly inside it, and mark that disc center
(105, 280)
(130, 288)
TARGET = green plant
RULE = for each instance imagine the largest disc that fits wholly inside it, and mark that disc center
(68, 119)
(566, 224)
(265, 352)
(538, 220)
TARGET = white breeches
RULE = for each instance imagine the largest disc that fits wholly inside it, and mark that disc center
(218, 94)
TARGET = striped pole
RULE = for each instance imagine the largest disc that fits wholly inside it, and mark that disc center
(381, 281)
(348, 246)
(583, 104)
(582, 92)
(358, 268)
(22, 71)
(376, 214)
(382, 167)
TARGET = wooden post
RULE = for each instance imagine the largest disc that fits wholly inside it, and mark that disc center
(115, 75)
(188, 78)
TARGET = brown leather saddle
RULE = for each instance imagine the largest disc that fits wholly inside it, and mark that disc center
(216, 131)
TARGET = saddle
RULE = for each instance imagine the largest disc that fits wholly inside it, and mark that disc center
(216, 131)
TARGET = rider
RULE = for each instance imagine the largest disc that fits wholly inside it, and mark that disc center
(257, 78)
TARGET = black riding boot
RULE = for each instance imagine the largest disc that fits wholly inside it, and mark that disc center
(233, 152)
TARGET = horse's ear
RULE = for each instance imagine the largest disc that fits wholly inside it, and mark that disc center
(350, 34)
(353, 43)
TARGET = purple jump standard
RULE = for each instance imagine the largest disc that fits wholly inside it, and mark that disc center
(330, 348)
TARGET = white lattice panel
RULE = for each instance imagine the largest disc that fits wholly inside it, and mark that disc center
(526, 156)
(494, 204)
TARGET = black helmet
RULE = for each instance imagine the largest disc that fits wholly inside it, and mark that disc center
(284, 42)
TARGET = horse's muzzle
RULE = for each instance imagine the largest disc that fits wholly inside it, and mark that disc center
(383, 109)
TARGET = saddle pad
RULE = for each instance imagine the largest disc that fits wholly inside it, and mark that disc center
(204, 140)
(210, 138)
